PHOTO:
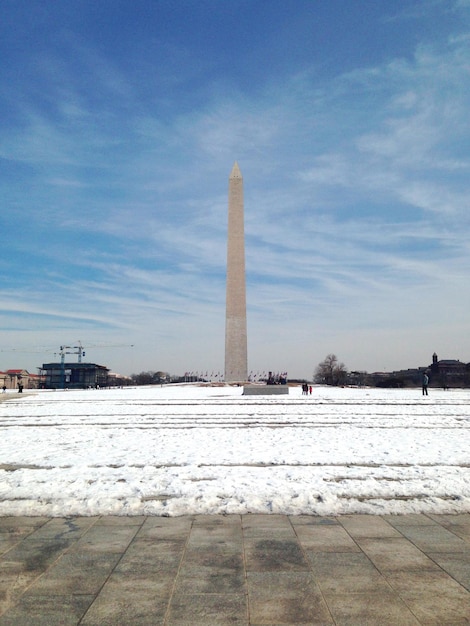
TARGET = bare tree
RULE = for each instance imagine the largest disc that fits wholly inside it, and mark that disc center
(330, 371)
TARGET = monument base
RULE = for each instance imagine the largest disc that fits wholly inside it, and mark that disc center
(265, 390)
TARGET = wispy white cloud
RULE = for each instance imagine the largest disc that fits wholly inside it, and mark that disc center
(356, 202)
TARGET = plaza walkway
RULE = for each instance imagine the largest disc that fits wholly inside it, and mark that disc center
(252, 569)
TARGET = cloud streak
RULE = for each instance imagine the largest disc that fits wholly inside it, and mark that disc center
(356, 202)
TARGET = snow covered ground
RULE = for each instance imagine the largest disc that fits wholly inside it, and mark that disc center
(177, 450)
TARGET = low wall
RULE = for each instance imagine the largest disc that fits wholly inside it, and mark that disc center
(265, 390)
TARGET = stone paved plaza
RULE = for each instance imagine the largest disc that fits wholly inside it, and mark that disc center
(252, 569)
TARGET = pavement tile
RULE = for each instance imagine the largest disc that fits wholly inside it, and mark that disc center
(216, 567)
(8, 542)
(215, 551)
(326, 538)
(201, 537)
(214, 580)
(76, 573)
(311, 610)
(103, 538)
(412, 519)
(434, 597)
(48, 610)
(205, 531)
(395, 554)
(346, 573)
(278, 526)
(264, 555)
(13, 530)
(209, 570)
(457, 519)
(143, 559)
(207, 610)
(435, 539)
(12, 586)
(120, 520)
(129, 602)
(33, 556)
(21, 525)
(59, 528)
(456, 565)
(165, 529)
(213, 522)
(21, 566)
(367, 526)
(287, 598)
(313, 520)
(175, 546)
(158, 586)
(463, 532)
(369, 609)
(431, 581)
(459, 525)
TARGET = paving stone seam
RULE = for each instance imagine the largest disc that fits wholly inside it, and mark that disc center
(49, 566)
(175, 580)
(452, 531)
(448, 528)
(363, 551)
(425, 553)
(431, 518)
(431, 555)
(377, 569)
(124, 552)
(428, 551)
(307, 560)
(383, 575)
(396, 591)
(245, 573)
(21, 538)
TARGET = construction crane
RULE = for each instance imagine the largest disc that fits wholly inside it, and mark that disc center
(64, 350)
(80, 351)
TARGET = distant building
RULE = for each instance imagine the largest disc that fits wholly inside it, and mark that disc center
(74, 375)
(12, 378)
(118, 380)
(449, 372)
(442, 373)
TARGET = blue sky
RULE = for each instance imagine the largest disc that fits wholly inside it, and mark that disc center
(120, 122)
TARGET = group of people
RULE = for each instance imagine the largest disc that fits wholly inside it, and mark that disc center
(307, 389)
(20, 388)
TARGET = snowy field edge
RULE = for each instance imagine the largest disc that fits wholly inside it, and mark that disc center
(194, 450)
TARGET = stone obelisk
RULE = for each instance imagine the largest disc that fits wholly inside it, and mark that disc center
(236, 360)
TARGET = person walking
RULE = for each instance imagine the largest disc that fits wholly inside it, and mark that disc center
(425, 384)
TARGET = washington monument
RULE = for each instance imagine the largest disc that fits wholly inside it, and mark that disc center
(236, 361)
